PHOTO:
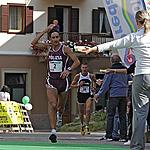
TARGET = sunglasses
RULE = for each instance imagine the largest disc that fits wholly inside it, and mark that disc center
(53, 37)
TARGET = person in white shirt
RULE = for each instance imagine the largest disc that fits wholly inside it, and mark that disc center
(140, 44)
(4, 93)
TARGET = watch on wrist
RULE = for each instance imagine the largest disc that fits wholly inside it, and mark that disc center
(69, 69)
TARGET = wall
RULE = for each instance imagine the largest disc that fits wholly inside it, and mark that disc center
(38, 90)
(15, 53)
(20, 44)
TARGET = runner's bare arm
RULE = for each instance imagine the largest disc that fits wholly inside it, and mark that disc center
(74, 83)
(75, 64)
(94, 81)
(74, 58)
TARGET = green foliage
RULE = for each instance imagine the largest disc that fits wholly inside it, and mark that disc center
(97, 123)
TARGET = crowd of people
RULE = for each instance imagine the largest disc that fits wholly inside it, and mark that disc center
(140, 44)
(115, 81)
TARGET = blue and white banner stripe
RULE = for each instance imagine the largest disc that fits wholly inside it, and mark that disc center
(121, 16)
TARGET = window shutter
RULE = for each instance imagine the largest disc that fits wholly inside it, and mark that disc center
(0, 18)
(29, 19)
(75, 20)
(95, 21)
(4, 18)
(51, 14)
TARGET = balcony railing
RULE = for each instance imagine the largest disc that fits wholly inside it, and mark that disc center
(98, 38)
(75, 37)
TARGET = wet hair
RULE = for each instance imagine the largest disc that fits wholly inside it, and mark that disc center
(52, 31)
(5, 88)
(84, 63)
(143, 18)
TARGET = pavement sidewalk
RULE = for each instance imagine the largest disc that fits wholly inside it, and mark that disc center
(64, 137)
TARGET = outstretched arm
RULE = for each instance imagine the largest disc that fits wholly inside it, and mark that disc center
(121, 71)
(124, 42)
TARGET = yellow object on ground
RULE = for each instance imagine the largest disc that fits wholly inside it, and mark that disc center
(10, 113)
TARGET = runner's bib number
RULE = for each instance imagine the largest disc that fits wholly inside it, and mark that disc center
(84, 89)
(55, 66)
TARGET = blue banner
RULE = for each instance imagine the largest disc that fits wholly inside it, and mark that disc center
(147, 4)
(121, 16)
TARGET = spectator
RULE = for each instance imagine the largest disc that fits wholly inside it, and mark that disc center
(56, 25)
(117, 85)
(4, 93)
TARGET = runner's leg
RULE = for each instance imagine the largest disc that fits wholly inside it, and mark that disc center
(52, 95)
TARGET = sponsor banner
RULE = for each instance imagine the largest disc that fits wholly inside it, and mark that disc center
(121, 16)
(147, 4)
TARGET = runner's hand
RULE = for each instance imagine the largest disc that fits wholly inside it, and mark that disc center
(50, 27)
(64, 74)
(81, 83)
(95, 99)
(99, 82)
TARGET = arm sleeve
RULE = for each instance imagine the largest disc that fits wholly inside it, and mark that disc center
(8, 96)
(105, 85)
(124, 42)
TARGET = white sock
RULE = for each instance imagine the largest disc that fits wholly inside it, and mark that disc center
(53, 131)
(59, 115)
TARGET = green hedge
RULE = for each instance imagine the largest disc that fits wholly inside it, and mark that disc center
(97, 123)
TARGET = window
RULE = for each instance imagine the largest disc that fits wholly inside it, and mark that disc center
(67, 17)
(18, 80)
(17, 84)
(16, 18)
(100, 23)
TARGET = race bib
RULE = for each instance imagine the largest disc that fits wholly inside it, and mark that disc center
(55, 66)
(84, 89)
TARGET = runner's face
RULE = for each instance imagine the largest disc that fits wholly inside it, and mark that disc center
(84, 69)
(55, 38)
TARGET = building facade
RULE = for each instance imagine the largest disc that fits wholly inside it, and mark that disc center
(24, 72)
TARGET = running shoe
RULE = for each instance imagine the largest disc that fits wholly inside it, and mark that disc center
(127, 143)
(106, 138)
(53, 138)
(123, 140)
(82, 130)
(87, 130)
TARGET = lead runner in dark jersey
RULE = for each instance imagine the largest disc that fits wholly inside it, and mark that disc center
(56, 81)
